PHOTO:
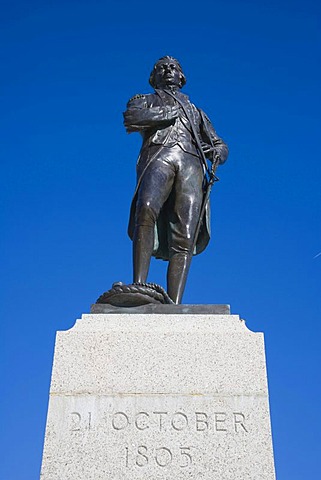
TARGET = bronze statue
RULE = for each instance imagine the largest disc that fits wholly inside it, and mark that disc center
(171, 175)
(169, 216)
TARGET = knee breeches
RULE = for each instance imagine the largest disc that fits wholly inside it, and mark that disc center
(172, 186)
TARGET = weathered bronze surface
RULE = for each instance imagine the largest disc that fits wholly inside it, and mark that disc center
(163, 309)
(135, 294)
(169, 213)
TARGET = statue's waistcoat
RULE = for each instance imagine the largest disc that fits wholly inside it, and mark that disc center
(180, 132)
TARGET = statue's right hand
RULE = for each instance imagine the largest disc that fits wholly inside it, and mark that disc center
(173, 112)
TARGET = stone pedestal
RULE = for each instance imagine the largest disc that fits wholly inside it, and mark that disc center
(160, 396)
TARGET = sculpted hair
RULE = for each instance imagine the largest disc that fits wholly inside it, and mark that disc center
(172, 59)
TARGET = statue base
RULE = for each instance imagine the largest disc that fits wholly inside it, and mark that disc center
(163, 309)
(158, 396)
(134, 295)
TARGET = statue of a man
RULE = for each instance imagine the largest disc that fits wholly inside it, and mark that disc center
(165, 212)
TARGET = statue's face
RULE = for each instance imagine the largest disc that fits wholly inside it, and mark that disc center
(167, 74)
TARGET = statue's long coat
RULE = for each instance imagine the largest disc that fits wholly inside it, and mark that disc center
(150, 115)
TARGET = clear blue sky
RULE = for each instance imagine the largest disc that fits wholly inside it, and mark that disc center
(68, 174)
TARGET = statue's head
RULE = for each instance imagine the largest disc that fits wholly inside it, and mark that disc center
(167, 72)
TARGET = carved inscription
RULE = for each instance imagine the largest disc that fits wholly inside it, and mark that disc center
(75, 421)
(80, 422)
(161, 456)
(119, 421)
(143, 425)
(239, 422)
(232, 422)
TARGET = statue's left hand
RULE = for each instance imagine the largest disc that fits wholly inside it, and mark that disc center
(207, 149)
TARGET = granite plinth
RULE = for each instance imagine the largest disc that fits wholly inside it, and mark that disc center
(159, 397)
